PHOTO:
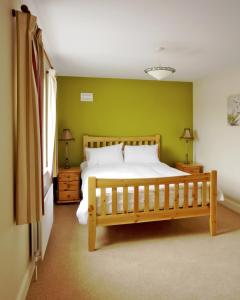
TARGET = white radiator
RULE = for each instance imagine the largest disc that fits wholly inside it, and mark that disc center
(46, 222)
(40, 232)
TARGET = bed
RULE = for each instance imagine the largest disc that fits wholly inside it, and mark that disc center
(132, 193)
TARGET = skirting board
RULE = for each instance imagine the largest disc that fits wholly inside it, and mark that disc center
(231, 204)
(22, 294)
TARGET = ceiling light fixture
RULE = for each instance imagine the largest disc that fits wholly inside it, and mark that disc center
(160, 72)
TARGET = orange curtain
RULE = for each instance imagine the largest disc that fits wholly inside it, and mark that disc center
(28, 119)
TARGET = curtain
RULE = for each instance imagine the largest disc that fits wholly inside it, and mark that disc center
(28, 120)
(55, 156)
(51, 122)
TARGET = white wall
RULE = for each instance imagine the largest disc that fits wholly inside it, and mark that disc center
(15, 266)
(218, 144)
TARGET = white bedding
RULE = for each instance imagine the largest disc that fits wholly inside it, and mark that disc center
(129, 170)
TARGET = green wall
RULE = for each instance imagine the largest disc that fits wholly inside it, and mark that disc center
(123, 107)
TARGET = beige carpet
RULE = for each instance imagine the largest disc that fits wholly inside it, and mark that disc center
(161, 260)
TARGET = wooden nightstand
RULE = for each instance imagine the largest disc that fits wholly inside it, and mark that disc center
(189, 168)
(69, 185)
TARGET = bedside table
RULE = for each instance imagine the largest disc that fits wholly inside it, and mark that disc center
(189, 168)
(69, 185)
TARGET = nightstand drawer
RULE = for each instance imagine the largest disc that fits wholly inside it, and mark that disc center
(68, 177)
(68, 185)
(69, 195)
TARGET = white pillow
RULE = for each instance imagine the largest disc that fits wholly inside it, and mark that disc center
(104, 155)
(141, 154)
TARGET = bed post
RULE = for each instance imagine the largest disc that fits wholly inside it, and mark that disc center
(158, 143)
(85, 144)
(92, 213)
(213, 202)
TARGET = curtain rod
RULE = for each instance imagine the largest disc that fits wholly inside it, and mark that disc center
(25, 9)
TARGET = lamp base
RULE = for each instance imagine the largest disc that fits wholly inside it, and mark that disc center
(66, 164)
(187, 162)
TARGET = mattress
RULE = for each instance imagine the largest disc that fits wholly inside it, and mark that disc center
(127, 171)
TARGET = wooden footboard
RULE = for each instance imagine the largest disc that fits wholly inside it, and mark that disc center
(206, 181)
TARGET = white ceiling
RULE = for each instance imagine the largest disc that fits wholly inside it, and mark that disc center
(119, 38)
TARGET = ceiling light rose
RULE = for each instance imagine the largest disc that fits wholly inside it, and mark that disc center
(160, 72)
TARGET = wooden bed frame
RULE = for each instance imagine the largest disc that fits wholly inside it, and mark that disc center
(208, 180)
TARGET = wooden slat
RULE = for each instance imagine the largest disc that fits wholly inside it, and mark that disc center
(153, 216)
(152, 181)
(125, 200)
(185, 202)
(195, 194)
(114, 201)
(103, 201)
(166, 196)
(156, 197)
(176, 196)
(146, 198)
(121, 138)
(136, 196)
(204, 193)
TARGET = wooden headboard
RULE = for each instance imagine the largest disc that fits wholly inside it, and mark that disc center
(101, 141)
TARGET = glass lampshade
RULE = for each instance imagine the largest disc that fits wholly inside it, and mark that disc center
(67, 135)
(160, 72)
(187, 134)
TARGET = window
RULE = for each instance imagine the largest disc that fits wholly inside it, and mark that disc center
(49, 120)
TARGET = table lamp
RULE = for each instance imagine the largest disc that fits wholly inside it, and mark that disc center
(187, 136)
(66, 137)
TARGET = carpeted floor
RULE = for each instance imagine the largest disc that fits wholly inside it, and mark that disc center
(160, 260)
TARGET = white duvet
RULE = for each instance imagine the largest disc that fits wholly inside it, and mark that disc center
(130, 170)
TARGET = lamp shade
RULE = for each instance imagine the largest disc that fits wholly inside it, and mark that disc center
(187, 134)
(67, 135)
